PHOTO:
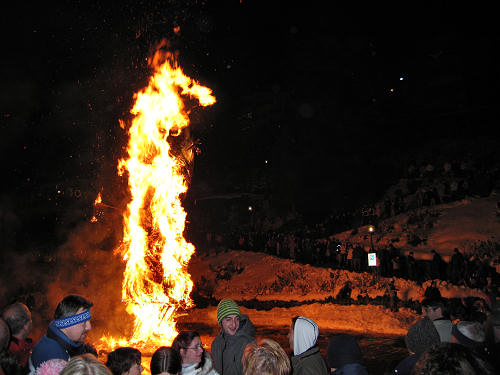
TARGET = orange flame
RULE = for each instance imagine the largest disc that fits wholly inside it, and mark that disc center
(98, 199)
(156, 283)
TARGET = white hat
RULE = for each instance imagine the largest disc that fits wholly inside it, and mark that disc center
(469, 333)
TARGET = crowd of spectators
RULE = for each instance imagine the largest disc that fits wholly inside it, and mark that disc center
(314, 247)
(440, 341)
(425, 185)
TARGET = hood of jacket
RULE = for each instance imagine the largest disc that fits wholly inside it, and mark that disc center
(305, 335)
(55, 333)
(207, 368)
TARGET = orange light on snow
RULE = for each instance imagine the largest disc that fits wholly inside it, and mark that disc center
(156, 283)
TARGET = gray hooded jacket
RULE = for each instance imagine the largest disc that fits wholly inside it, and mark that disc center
(307, 359)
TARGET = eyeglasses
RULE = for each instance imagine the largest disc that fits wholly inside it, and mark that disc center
(199, 346)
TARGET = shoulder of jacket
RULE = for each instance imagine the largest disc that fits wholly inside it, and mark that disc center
(218, 339)
(45, 343)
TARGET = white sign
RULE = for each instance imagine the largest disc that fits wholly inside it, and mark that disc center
(372, 259)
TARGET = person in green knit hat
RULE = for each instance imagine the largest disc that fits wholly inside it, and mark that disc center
(237, 331)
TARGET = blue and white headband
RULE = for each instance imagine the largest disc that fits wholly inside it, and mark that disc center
(72, 320)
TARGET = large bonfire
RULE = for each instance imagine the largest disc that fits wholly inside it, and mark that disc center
(156, 284)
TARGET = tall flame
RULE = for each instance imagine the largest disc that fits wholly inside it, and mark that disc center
(156, 283)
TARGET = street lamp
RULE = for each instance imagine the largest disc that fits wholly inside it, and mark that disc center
(371, 229)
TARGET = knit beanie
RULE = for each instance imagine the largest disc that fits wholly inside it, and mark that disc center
(421, 336)
(225, 308)
(305, 335)
(469, 334)
(343, 350)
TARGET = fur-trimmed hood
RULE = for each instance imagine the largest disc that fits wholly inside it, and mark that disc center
(207, 369)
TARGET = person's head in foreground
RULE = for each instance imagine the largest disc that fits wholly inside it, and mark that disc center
(468, 333)
(451, 359)
(165, 361)
(51, 367)
(18, 317)
(188, 345)
(266, 357)
(72, 317)
(125, 361)
(421, 335)
(303, 334)
(85, 364)
(434, 308)
(344, 353)
(228, 316)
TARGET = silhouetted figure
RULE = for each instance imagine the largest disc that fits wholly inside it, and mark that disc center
(344, 295)
(421, 335)
(437, 266)
(457, 267)
(411, 266)
(391, 294)
(432, 292)
(344, 356)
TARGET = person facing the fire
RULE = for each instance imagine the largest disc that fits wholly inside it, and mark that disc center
(266, 358)
(237, 331)
(125, 361)
(306, 359)
(5, 358)
(18, 317)
(66, 333)
(165, 361)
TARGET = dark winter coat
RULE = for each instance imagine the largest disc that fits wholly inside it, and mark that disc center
(351, 369)
(55, 344)
(309, 363)
(21, 349)
(406, 365)
(227, 350)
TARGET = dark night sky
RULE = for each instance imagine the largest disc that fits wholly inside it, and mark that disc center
(337, 99)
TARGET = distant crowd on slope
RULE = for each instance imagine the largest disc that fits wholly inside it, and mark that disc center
(425, 185)
(438, 342)
(312, 248)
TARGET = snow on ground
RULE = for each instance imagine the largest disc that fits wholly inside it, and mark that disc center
(270, 281)
(271, 290)
(352, 318)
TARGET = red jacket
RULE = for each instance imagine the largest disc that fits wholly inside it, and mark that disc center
(21, 349)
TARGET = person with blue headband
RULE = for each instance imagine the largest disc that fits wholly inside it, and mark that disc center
(66, 333)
